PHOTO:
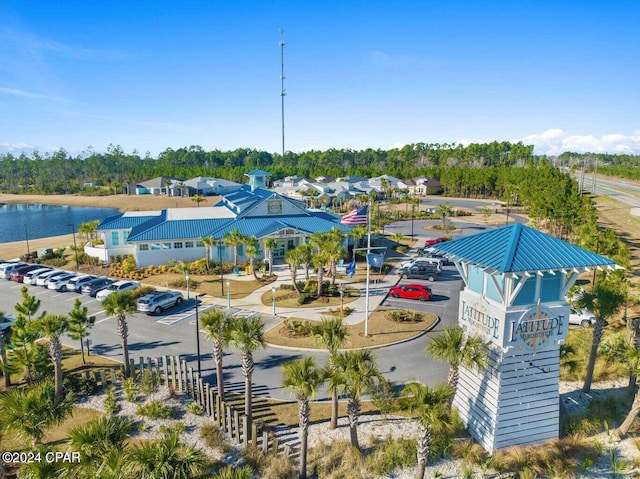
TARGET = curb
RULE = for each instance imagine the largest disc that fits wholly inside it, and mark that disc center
(378, 346)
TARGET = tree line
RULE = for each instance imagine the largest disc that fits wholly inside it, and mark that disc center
(61, 172)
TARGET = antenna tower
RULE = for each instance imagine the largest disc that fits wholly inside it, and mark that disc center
(283, 92)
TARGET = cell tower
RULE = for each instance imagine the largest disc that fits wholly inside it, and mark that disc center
(283, 92)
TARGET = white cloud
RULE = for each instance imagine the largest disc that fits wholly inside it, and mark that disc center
(556, 141)
(27, 94)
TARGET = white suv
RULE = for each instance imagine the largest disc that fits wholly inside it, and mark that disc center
(117, 286)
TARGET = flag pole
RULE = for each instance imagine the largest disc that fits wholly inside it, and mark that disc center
(366, 303)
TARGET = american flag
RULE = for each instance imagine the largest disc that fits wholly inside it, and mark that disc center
(355, 217)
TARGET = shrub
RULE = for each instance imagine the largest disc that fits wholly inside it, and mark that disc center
(303, 298)
(156, 410)
(392, 454)
(297, 328)
(286, 287)
(150, 382)
(130, 389)
(211, 435)
(278, 466)
(384, 396)
(195, 408)
(110, 402)
(80, 385)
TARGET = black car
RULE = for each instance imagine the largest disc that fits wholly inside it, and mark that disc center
(98, 284)
(420, 270)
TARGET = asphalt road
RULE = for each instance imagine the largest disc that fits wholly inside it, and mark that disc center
(174, 333)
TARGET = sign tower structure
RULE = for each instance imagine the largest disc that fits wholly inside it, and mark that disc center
(515, 282)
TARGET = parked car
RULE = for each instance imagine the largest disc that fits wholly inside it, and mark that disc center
(420, 271)
(431, 253)
(43, 279)
(411, 291)
(434, 241)
(411, 262)
(157, 301)
(6, 322)
(18, 273)
(117, 286)
(96, 285)
(59, 283)
(582, 318)
(32, 276)
(7, 268)
(76, 284)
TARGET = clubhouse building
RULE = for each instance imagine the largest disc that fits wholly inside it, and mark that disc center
(157, 237)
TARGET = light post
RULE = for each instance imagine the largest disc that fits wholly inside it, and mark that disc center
(342, 298)
(26, 235)
(273, 300)
(186, 278)
(198, 334)
(220, 243)
(228, 294)
(75, 246)
(413, 210)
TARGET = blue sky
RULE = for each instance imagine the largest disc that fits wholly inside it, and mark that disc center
(151, 75)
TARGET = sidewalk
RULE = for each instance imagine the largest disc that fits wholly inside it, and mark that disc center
(378, 289)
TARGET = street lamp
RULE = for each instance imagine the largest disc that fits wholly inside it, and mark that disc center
(273, 300)
(220, 243)
(26, 235)
(413, 210)
(75, 246)
(198, 333)
(186, 278)
(228, 294)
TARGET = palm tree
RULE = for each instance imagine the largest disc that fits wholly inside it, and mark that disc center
(41, 469)
(234, 239)
(357, 233)
(216, 328)
(444, 210)
(604, 300)
(197, 199)
(332, 335)
(52, 326)
(252, 250)
(166, 458)
(430, 405)
(80, 324)
(457, 348)
(269, 245)
(30, 412)
(97, 440)
(247, 335)
(119, 304)
(293, 259)
(357, 371)
(306, 257)
(320, 260)
(302, 377)
(208, 242)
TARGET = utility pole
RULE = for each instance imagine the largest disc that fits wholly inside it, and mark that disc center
(283, 92)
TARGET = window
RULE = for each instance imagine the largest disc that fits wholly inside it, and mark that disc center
(240, 250)
(115, 238)
(143, 247)
(125, 236)
(155, 246)
(199, 244)
(166, 245)
(177, 245)
(188, 244)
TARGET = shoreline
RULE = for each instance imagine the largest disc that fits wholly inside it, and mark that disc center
(15, 249)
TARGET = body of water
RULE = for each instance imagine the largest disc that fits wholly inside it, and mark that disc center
(19, 221)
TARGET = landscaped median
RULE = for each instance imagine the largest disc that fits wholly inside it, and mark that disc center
(384, 327)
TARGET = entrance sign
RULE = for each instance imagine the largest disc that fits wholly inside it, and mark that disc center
(515, 281)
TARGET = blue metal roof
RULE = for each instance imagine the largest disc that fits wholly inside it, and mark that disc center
(120, 221)
(178, 229)
(517, 248)
(258, 173)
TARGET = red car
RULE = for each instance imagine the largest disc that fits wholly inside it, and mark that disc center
(435, 241)
(411, 291)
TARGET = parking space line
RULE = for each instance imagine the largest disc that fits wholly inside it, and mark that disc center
(102, 320)
(244, 313)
